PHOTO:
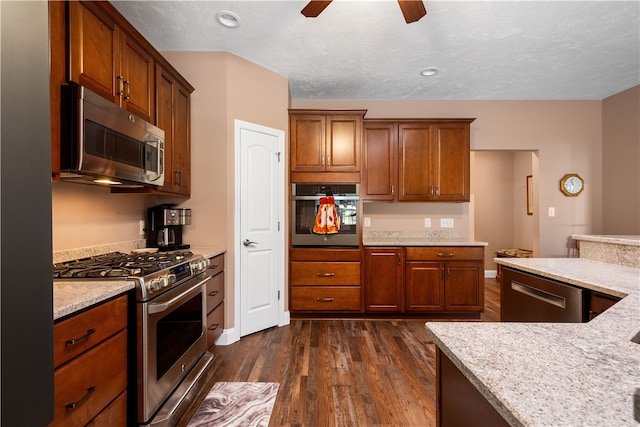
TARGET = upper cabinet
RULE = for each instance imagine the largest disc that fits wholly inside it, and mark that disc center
(105, 59)
(110, 57)
(174, 117)
(417, 160)
(326, 143)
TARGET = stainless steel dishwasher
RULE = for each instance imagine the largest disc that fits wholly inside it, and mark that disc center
(529, 298)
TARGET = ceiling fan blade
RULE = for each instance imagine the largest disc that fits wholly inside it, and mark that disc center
(315, 8)
(412, 10)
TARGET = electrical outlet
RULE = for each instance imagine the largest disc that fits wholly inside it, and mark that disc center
(446, 222)
(552, 211)
(427, 222)
(142, 227)
(367, 221)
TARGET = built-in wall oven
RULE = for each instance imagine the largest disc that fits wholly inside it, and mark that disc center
(307, 202)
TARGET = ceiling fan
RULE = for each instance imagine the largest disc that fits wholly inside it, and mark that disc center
(412, 10)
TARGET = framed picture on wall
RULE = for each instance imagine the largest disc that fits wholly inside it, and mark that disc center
(529, 195)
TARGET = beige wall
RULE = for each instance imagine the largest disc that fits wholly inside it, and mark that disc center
(567, 135)
(621, 160)
(227, 88)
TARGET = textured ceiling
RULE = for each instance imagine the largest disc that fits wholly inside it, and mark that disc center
(528, 50)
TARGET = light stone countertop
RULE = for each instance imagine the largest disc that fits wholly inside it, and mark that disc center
(71, 296)
(630, 240)
(556, 374)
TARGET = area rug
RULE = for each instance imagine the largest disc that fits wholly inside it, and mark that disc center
(236, 404)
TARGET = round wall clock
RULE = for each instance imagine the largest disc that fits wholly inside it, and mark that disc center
(571, 184)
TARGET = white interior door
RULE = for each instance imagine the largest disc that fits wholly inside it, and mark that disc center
(260, 243)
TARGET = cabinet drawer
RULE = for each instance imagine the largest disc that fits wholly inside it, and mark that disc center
(82, 331)
(325, 273)
(216, 265)
(215, 324)
(90, 382)
(215, 291)
(325, 298)
(113, 415)
(445, 253)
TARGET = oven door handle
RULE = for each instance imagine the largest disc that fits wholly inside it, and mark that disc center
(159, 307)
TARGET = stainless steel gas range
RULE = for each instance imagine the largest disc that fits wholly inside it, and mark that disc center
(170, 332)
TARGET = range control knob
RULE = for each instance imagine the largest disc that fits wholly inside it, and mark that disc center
(171, 278)
(154, 285)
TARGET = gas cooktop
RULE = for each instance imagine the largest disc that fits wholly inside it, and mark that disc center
(119, 265)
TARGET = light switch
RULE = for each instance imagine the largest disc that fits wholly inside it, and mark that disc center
(142, 227)
(446, 222)
(427, 222)
(552, 211)
(367, 221)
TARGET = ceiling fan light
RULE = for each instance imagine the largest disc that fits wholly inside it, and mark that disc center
(429, 71)
(228, 19)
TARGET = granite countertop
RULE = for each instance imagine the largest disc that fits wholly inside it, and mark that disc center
(413, 238)
(630, 240)
(556, 374)
(70, 296)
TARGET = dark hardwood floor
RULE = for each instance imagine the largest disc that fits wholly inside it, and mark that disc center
(342, 372)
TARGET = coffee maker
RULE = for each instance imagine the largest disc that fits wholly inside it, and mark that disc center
(164, 227)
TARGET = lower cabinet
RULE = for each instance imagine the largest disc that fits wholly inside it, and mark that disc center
(324, 280)
(384, 280)
(85, 395)
(459, 403)
(215, 299)
(424, 279)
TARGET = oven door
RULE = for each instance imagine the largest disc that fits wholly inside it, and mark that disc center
(171, 340)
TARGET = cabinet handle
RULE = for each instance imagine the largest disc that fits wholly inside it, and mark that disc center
(325, 274)
(431, 190)
(328, 160)
(437, 190)
(392, 190)
(399, 258)
(120, 86)
(330, 299)
(128, 95)
(443, 276)
(322, 161)
(448, 273)
(214, 326)
(75, 404)
(445, 255)
(213, 293)
(82, 338)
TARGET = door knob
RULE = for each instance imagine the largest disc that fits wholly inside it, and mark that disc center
(247, 242)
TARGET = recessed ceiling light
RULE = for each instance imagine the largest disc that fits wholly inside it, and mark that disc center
(430, 71)
(228, 19)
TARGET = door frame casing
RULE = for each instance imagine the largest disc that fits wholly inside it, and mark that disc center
(232, 335)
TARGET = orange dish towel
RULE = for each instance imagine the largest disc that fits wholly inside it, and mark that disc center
(327, 221)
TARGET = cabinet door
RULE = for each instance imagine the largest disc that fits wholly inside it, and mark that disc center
(164, 120)
(137, 69)
(181, 150)
(343, 142)
(464, 290)
(307, 141)
(424, 286)
(380, 158)
(94, 45)
(451, 162)
(415, 159)
(384, 279)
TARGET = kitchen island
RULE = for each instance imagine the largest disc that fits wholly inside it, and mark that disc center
(546, 374)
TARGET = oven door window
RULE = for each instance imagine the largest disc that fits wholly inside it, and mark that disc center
(177, 332)
(306, 211)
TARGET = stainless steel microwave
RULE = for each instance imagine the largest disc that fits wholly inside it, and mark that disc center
(306, 200)
(102, 143)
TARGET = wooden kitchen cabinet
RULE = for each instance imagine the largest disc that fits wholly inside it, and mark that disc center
(322, 280)
(417, 160)
(174, 116)
(326, 143)
(384, 289)
(85, 395)
(449, 279)
(105, 59)
(215, 299)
